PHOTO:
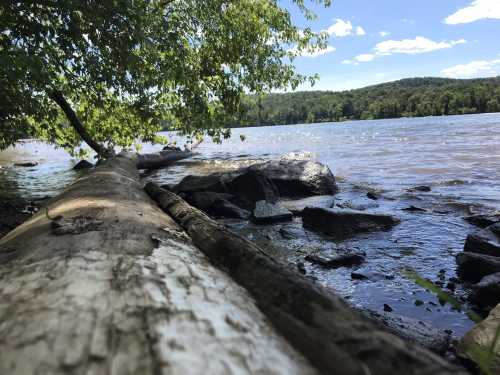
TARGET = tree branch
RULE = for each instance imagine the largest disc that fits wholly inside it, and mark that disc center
(59, 98)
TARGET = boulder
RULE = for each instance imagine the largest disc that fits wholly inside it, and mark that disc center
(483, 220)
(412, 330)
(342, 224)
(486, 293)
(217, 204)
(252, 186)
(485, 241)
(480, 340)
(347, 259)
(299, 178)
(473, 267)
(211, 182)
(298, 205)
(267, 213)
(83, 164)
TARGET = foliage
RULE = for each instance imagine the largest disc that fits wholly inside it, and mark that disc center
(128, 66)
(414, 97)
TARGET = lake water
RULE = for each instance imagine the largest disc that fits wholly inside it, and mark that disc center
(457, 156)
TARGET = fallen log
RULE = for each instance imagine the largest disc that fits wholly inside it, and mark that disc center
(103, 282)
(335, 338)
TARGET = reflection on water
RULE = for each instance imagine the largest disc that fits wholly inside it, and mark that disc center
(457, 156)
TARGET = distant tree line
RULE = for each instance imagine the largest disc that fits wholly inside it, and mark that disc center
(414, 97)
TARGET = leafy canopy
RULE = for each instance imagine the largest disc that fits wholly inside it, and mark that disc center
(128, 67)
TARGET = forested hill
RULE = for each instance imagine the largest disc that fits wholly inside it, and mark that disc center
(413, 97)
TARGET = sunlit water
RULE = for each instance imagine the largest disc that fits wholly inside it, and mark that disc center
(457, 156)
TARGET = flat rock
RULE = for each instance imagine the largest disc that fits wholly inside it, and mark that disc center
(370, 275)
(299, 178)
(267, 213)
(343, 224)
(412, 330)
(482, 337)
(473, 267)
(83, 164)
(486, 293)
(347, 259)
(421, 188)
(485, 241)
(483, 220)
(297, 206)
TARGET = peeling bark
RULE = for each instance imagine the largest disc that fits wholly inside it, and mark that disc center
(124, 291)
(335, 338)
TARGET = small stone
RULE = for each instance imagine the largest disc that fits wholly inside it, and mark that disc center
(26, 164)
(302, 268)
(267, 213)
(414, 209)
(422, 188)
(387, 308)
(419, 302)
(371, 195)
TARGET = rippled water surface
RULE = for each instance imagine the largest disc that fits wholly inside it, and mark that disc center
(457, 156)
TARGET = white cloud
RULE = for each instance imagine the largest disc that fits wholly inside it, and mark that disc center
(312, 52)
(477, 10)
(413, 46)
(365, 57)
(343, 28)
(384, 33)
(360, 31)
(478, 68)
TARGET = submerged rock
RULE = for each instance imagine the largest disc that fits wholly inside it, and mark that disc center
(26, 164)
(348, 259)
(297, 206)
(480, 340)
(473, 267)
(343, 224)
(267, 213)
(83, 164)
(299, 178)
(422, 188)
(485, 241)
(486, 293)
(412, 330)
(483, 220)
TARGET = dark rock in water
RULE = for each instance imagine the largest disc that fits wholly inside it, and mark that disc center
(483, 221)
(302, 268)
(26, 164)
(267, 213)
(342, 224)
(252, 186)
(387, 308)
(291, 233)
(217, 204)
(299, 178)
(371, 195)
(189, 184)
(414, 209)
(486, 293)
(473, 267)
(412, 330)
(485, 241)
(366, 274)
(341, 260)
(422, 188)
(83, 164)
(297, 206)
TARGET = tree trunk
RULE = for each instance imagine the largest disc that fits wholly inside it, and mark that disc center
(59, 98)
(162, 159)
(104, 282)
(336, 339)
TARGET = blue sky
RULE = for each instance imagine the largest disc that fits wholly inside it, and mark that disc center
(373, 41)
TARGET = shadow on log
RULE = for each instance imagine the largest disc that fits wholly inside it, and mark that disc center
(335, 338)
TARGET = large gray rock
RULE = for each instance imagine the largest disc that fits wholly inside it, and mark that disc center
(483, 220)
(250, 187)
(299, 178)
(412, 330)
(486, 293)
(343, 224)
(189, 184)
(298, 205)
(473, 267)
(485, 241)
(267, 213)
(217, 204)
